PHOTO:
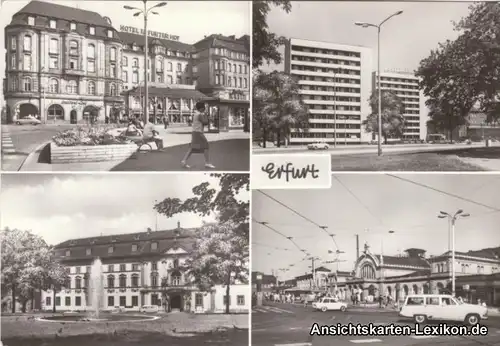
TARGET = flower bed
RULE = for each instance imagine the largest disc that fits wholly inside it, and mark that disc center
(94, 144)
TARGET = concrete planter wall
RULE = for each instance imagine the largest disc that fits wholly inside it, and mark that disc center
(94, 153)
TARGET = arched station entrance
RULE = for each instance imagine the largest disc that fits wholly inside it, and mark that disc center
(55, 113)
(90, 114)
(26, 110)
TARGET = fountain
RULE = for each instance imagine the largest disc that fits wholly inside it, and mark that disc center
(95, 296)
(96, 288)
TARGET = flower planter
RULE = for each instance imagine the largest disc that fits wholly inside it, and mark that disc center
(91, 153)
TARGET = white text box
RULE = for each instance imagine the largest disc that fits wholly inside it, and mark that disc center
(292, 171)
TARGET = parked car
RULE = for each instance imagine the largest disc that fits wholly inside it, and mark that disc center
(441, 307)
(318, 146)
(29, 120)
(149, 308)
(117, 309)
(329, 303)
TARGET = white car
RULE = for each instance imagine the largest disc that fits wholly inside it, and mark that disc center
(441, 307)
(318, 146)
(149, 308)
(29, 120)
(327, 303)
(117, 309)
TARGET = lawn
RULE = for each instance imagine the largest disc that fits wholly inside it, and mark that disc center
(445, 161)
(174, 329)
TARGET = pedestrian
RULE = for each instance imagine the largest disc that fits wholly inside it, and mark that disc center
(199, 143)
(150, 134)
(165, 121)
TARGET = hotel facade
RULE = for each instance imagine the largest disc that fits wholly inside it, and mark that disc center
(406, 87)
(146, 268)
(67, 65)
(335, 84)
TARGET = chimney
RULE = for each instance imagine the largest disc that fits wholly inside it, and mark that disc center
(178, 225)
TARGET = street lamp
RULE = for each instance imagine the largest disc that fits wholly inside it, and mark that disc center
(379, 26)
(145, 12)
(452, 219)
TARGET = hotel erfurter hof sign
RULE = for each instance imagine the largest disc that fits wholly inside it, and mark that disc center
(133, 30)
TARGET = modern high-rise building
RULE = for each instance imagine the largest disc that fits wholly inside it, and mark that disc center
(335, 84)
(406, 87)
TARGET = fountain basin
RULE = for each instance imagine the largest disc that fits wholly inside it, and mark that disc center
(81, 318)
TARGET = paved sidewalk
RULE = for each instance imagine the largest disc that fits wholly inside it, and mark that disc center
(173, 138)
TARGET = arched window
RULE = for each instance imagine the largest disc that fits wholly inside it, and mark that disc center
(55, 112)
(73, 48)
(367, 272)
(135, 280)
(27, 43)
(54, 86)
(90, 51)
(91, 88)
(112, 54)
(123, 281)
(169, 66)
(27, 83)
(78, 282)
(72, 87)
(112, 89)
(111, 281)
(135, 62)
(176, 278)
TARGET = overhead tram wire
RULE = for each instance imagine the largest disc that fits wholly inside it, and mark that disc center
(445, 193)
(265, 224)
(323, 228)
(272, 247)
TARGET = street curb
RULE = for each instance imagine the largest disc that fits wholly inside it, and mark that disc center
(33, 155)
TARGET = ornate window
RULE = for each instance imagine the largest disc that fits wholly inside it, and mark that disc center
(53, 86)
(112, 91)
(135, 62)
(91, 88)
(78, 282)
(367, 271)
(123, 281)
(73, 48)
(72, 87)
(154, 280)
(176, 278)
(112, 54)
(27, 43)
(135, 280)
(125, 61)
(27, 84)
(111, 281)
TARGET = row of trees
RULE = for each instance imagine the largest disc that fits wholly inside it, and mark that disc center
(465, 72)
(220, 253)
(28, 266)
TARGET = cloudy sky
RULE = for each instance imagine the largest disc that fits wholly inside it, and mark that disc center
(405, 39)
(191, 20)
(65, 206)
(371, 206)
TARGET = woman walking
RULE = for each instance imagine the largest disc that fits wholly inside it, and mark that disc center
(199, 143)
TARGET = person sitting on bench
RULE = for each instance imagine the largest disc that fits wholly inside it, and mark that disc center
(149, 134)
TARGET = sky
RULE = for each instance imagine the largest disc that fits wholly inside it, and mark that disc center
(191, 20)
(60, 207)
(405, 39)
(371, 206)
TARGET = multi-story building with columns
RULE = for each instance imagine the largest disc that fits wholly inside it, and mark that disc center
(146, 268)
(63, 64)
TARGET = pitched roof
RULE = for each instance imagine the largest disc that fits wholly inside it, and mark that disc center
(221, 41)
(122, 243)
(49, 9)
(129, 38)
(405, 261)
(322, 269)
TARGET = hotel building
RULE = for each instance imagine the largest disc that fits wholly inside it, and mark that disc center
(62, 64)
(145, 268)
(406, 87)
(70, 65)
(335, 84)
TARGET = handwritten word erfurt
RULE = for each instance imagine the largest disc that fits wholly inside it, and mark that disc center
(288, 171)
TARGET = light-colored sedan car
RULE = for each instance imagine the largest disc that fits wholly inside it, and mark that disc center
(117, 309)
(318, 146)
(149, 308)
(328, 303)
(29, 120)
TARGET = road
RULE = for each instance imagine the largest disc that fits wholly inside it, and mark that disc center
(22, 140)
(289, 325)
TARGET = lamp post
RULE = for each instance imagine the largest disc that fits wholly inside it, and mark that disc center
(452, 220)
(145, 12)
(379, 26)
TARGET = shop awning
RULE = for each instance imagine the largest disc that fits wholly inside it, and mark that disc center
(176, 93)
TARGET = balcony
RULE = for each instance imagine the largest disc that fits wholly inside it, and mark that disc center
(74, 71)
